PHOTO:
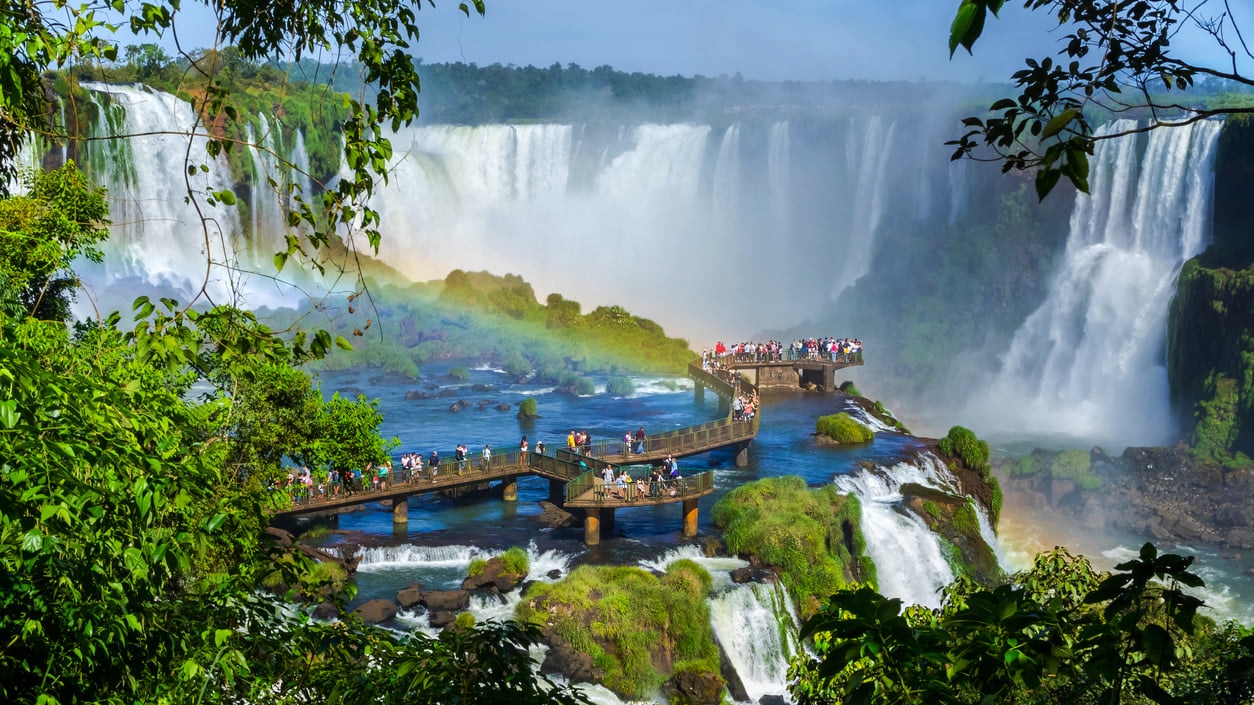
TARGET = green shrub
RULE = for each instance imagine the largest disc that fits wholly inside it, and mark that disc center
(1027, 465)
(1075, 465)
(623, 615)
(620, 386)
(798, 529)
(527, 408)
(843, 428)
(995, 502)
(477, 565)
(465, 621)
(460, 374)
(849, 388)
(584, 386)
(515, 365)
(932, 510)
(966, 522)
(962, 443)
(514, 561)
(317, 532)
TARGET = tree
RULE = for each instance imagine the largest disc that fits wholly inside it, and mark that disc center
(1116, 58)
(1059, 633)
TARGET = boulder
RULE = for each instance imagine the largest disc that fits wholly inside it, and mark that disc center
(377, 611)
(555, 517)
(694, 688)
(440, 619)
(742, 575)
(564, 660)
(554, 574)
(772, 700)
(280, 537)
(447, 393)
(415, 394)
(445, 600)
(503, 406)
(493, 576)
(408, 597)
(481, 387)
(459, 405)
(326, 611)
(1240, 538)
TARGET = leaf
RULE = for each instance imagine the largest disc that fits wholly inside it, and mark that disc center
(342, 343)
(1058, 122)
(1046, 179)
(9, 415)
(227, 196)
(961, 32)
(214, 522)
(280, 259)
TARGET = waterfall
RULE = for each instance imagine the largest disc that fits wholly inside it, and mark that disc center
(279, 175)
(957, 189)
(779, 175)
(726, 188)
(1089, 362)
(907, 555)
(868, 145)
(756, 624)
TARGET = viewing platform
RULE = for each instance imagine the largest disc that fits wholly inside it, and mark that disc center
(817, 372)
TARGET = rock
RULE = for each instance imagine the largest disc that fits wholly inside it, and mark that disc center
(280, 537)
(414, 394)
(554, 574)
(735, 686)
(772, 700)
(410, 596)
(555, 517)
(742, 575)
(694, 688)
(446, 393)
(1059, 489)
(445, 600)
(1240, 538)
(441, 619)
(459, 405)
(562, 659)
(326, 611)
(484, 403)
(503, 406)
(377, 611)
(493, 576)
(481, 388)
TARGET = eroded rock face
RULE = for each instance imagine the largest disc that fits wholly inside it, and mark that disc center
(562, 659)
(1161, 493)
(555, 517)
(445, 600)
(408, 597)
(493, 577)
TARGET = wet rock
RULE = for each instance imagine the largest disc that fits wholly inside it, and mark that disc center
(694, 688)
(415, 394)
(410, 596)
(503, 406)
(458, 406)
(742, 575)
(493, 576)
(772, 700)
(326, 611)
(447, 393)
(377, 611)
(445, 600)
(554, 574)
(440, 619)
(280, 537)
(555, 517)
(563, 659)
(482, 388)
(484, 403)
(1240, 538)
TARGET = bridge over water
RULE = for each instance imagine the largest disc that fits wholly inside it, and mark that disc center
(574, 477)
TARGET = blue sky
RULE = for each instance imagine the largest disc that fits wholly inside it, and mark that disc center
(800, 40)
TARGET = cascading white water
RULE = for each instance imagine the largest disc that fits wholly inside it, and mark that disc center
(279, 176)
(779, 174)
(726, 190)
(756, 624)
(907, 555)
(1089, 362)
(867, 149)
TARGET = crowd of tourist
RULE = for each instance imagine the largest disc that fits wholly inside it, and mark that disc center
(662, 481)
(826, 348)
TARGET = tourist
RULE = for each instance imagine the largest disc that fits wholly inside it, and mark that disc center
(627, 443)
(620, 485)
(571, 442)
(459, 454)
(607, 475)
(540, 447)
(641, 490)
(640, 439)
(522, 450)
(415, 466)
(383, 475)
(487, 457)
(434, 463)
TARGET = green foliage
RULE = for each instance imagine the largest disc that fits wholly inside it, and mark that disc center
(813, 536)
(965, 521)
(527, 408)
(620, 387)
(1027, 465)
(996, 501)
(464, 620)
(60, 218)
(850, 388)
(961, 443)
(1049, 634)
(476, 567)
(932, 510)
(460, 374)
(1075, 465)
(514, 561)
(844, 429)
(1218, 419)
(622, 616)
(515, 364)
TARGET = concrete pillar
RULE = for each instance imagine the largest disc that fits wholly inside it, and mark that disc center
(557, 492)
(400, 509)
(607, 521)
(742, 455)
(829, 378)
(592, 526)
(700, 391)
(509, 488)
(690, 517)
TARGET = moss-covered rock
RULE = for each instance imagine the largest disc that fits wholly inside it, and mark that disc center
(812, 536)
(961, 443)
(639, 629)
(953, 519)
(843, 429)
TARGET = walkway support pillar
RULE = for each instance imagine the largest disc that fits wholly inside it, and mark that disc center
(509, 488)
(742, 455)
(700, 393)
(690, 517)
(592, 526)
(400, 510)
(829, 378)
(557, 492)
